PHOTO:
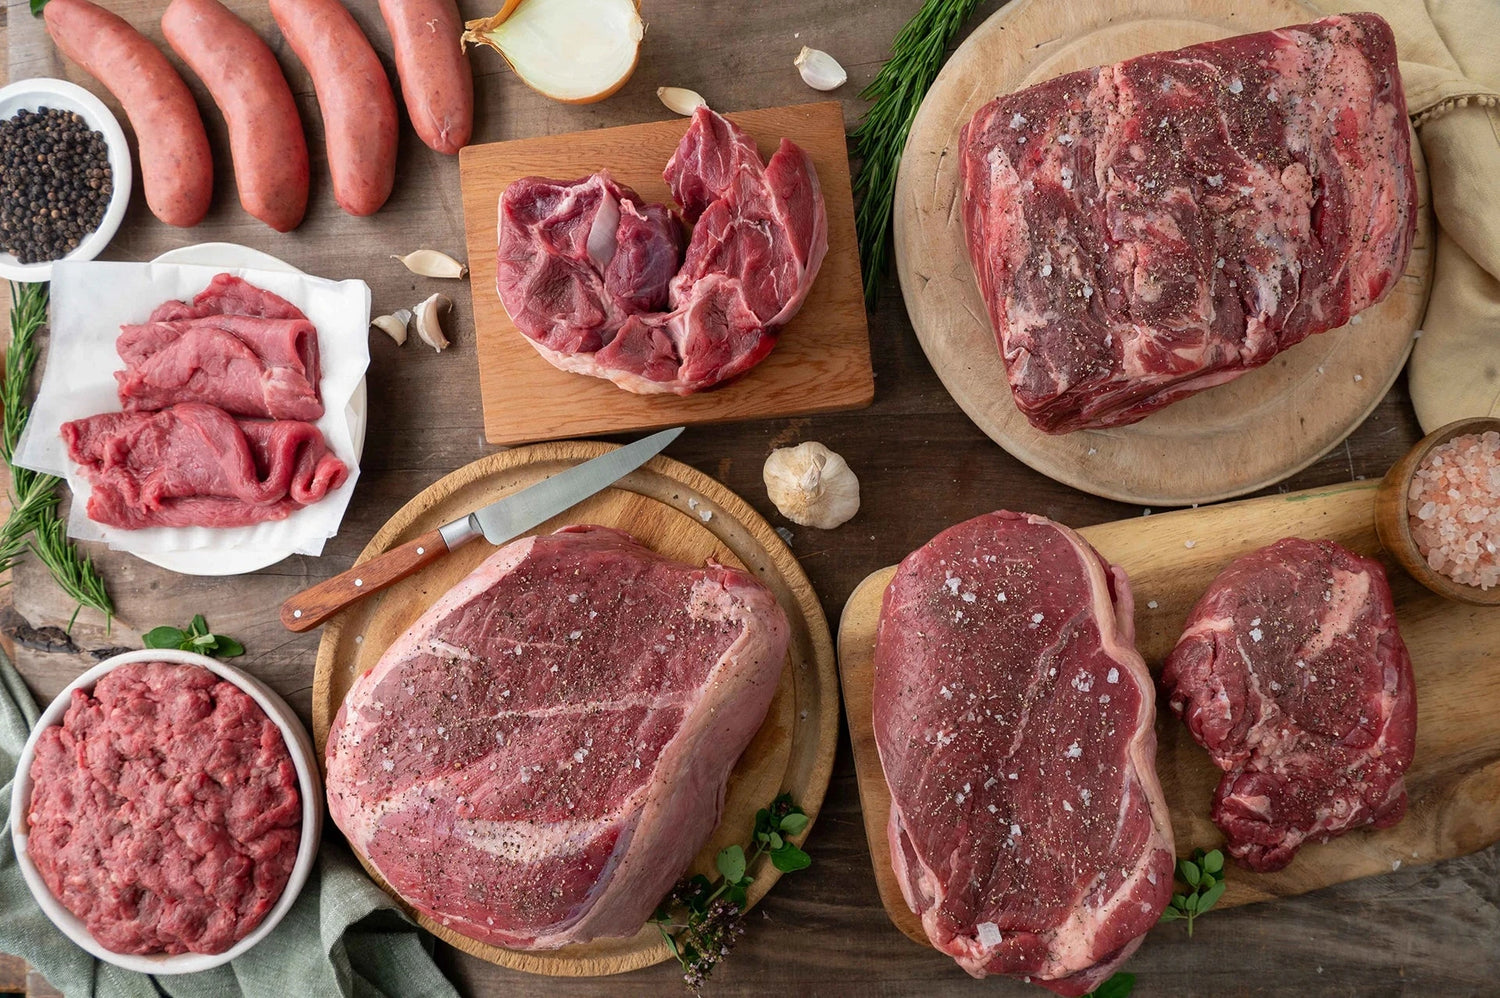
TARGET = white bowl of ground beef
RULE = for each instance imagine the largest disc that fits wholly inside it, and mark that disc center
(159, 820)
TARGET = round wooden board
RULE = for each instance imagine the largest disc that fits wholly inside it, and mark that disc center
(683, 515)
(1226, 441)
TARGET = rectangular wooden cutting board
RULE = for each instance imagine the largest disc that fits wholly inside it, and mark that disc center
(1454, 782)
(820, 364)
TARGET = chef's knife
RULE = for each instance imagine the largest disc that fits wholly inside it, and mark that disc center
(498, 522)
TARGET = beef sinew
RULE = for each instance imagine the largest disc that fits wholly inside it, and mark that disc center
(1014, 720)
(1146, 230)
(540, 756)
(1292, 674)
(164, 810)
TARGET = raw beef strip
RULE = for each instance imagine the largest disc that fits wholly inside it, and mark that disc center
(229, 295)
(194, 465)
(540, 756)
(1292, 674)
(1146, 230)
(1014, 720)
(597, 282)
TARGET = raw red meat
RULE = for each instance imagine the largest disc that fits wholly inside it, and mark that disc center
(585, 269)
(1292, 674)
(236, 346)
(1014, 720)
(196, 465)
(539, 757)
(1146, 230)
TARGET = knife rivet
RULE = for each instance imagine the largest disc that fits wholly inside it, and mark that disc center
(296, 613)
(421, 550)
(358, 583)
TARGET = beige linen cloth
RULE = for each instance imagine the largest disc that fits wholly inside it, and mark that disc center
(1450, 62)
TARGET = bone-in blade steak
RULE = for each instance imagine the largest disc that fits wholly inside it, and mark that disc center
(1014, 718)
(1146, 230)
(539, 757)
(1292, 674)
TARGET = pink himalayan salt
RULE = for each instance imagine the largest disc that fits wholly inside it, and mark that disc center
(1454, 505)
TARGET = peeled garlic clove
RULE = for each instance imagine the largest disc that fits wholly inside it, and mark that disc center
(393, 325)
(429, 328)
(811, 485)
(431, 263)
(574, 51)
(820, 70)
(680, 100)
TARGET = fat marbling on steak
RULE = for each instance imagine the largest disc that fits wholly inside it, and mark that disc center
(1292, 674)
(1014, 717)
(1146, 230)
(539, 757)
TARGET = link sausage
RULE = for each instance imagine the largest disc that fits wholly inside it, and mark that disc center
(177, 168)
(436, 81)
(359, 110)
(265, 131)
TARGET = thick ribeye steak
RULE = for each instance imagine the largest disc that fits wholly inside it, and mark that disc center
(539, 757)
(1292, 674)
(1014, 721)
(597, 281)
(1146, 230)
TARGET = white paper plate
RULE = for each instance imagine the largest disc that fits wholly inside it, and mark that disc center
(309, 784)
(220, 562)
(40, 92)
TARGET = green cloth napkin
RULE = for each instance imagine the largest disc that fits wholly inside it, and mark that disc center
(342, 937)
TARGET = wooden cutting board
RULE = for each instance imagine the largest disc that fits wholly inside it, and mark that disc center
(1223, 442)
(820, 364)
(677, 512)
(1454, 782)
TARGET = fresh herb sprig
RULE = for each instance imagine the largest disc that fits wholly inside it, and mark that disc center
(1118, 986)
(196, 638)
(897, 92)
(34, 521)
(702, 919)
(1204, 876)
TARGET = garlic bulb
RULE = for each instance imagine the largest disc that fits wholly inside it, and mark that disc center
(811, 485)
(820, 70)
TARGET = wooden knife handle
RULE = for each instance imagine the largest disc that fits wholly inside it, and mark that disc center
(313, 605)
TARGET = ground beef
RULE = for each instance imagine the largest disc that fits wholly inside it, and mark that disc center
(164, 810)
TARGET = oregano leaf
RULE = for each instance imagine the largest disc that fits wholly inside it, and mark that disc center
(731, 863)
(794, 823)
(163, 637)
(789, 859)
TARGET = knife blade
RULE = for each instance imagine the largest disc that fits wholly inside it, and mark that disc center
(500, 521)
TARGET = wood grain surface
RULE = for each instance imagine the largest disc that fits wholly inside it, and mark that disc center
(822, 358)
(1171, 558)
(922, 464)
(1223, 442)
(681, 514)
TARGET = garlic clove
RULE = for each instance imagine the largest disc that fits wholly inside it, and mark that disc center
(680, 100)
(431, 263)
(820, 70)
(811, 485)
(573, 51)
(393, 325)
(429, 326)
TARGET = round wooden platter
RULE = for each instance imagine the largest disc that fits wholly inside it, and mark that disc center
(677, 512)
(1227, 441)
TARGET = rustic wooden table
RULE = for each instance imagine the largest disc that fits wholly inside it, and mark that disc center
(1430, 930)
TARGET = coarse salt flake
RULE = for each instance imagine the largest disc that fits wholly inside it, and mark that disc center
(989, 934)
(1453, 506)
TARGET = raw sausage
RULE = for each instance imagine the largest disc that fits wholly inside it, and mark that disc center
(265, 131)
(359, 110)
(177, 168)
(436, 81)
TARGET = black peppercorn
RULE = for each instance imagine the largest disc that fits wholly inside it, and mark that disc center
(54, 185)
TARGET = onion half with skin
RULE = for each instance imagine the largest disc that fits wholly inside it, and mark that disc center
(573, 51)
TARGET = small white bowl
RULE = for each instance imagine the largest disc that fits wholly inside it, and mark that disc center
(309, 783)
(43, 91)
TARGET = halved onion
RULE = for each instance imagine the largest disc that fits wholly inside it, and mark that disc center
(574, 51)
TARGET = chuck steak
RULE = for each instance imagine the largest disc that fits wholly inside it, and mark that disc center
(539, 757)
(1014, 720)
(1146, 230)
(596, 279)
(1292, 674)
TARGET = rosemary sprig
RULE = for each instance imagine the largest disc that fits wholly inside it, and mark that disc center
(34, 522)
(879, 139)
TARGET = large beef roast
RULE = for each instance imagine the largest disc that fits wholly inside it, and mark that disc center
(539, 757)
(1146, 230)
(1292, 674)
(1014, 721)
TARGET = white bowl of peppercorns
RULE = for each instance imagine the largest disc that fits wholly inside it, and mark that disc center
(64, 177)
